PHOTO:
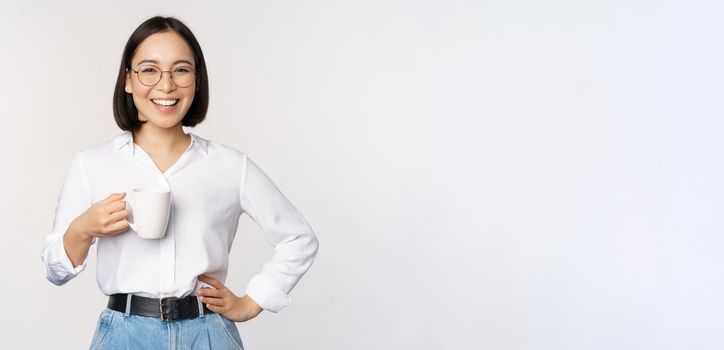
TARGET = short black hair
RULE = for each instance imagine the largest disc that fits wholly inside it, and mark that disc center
(124, 110)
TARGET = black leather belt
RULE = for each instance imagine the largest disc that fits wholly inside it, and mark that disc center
(168, 309)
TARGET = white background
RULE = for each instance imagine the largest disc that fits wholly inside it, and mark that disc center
(480, 174)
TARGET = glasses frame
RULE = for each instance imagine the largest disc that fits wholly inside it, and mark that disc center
(193, 71)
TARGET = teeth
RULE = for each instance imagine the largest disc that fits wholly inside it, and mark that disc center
(165, 102)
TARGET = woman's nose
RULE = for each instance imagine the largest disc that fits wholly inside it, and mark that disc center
(166, 83)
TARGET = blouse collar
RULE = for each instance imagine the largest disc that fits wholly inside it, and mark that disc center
(126, 138)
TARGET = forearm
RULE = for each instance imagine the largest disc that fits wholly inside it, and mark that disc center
(77, 244)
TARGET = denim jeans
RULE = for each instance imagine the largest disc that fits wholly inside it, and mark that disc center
(116, 330)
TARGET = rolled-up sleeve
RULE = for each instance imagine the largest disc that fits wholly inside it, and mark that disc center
(295, 244)
(73, 200)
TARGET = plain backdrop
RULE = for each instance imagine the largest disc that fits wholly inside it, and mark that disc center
(480, 174)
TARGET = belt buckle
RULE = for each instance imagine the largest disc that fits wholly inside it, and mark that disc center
(160, 308)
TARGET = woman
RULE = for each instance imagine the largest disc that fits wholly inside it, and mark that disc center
(169, 292)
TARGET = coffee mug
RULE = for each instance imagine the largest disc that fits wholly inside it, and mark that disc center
(150, 209)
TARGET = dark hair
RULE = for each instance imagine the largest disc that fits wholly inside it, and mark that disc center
(124, 110)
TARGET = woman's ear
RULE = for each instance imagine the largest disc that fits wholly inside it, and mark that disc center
(129, 87)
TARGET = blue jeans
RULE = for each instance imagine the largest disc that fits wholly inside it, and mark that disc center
(116, 330)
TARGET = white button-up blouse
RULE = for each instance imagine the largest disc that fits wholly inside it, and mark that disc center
(211, 186)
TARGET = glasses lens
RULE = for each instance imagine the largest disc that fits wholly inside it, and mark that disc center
(149, 75)
(183, 76)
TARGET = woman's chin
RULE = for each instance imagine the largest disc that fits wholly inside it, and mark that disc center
(164, 123)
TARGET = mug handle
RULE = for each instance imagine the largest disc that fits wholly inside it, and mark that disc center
(129, 203)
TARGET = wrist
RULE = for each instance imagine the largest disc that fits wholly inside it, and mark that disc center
(251, 304)
(76, 230)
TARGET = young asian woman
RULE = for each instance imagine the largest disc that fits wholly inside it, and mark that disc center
(169, 293)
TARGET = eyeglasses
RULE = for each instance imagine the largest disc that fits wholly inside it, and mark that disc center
(151, 75)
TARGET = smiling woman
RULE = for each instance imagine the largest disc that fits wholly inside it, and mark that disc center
(169, 292)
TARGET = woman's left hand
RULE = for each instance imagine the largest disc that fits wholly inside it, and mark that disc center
(222, 301)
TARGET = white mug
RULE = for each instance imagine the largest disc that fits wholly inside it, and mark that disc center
(150, 209)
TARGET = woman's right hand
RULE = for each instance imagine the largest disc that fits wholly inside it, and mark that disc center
(105, 218)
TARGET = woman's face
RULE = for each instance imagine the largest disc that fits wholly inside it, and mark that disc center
(166, 51)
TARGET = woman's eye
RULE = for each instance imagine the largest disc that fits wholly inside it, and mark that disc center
(183, 70)
(148, 70)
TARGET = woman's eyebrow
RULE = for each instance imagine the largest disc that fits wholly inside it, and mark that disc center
(156, 62)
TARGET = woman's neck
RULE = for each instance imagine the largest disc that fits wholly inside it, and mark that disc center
(159, 140)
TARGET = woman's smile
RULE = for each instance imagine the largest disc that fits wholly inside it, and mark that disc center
(165, 105)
